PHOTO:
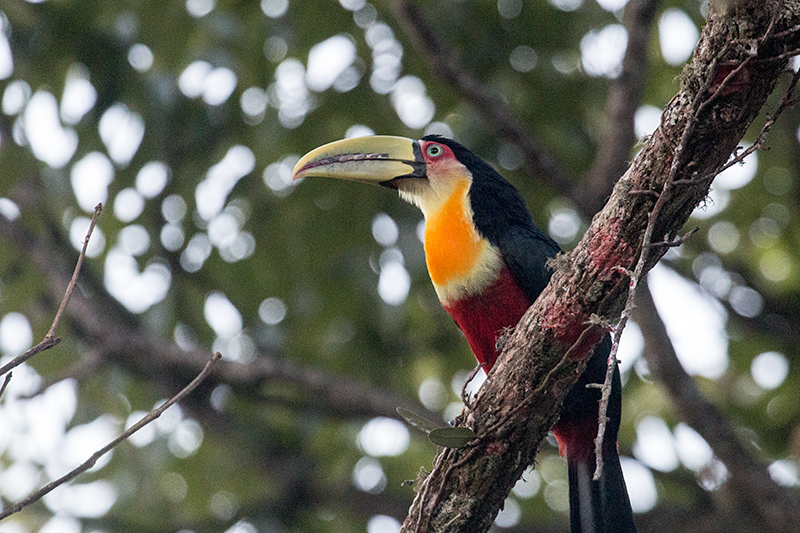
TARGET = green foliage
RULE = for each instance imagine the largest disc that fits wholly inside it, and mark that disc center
(278, 455)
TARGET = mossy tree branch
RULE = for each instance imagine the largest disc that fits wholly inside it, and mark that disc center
(743, 51)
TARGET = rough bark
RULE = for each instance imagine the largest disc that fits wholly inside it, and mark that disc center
(741, 54)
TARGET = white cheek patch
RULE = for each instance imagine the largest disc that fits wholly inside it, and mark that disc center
(409, 196)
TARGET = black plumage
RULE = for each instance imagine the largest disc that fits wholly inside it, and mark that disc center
(500, 216)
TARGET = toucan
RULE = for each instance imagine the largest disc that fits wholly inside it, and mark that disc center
(488, 263)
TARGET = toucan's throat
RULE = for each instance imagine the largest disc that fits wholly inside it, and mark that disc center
(460, 261)
(451, 241)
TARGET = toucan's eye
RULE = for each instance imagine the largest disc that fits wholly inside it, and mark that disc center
(434, 150)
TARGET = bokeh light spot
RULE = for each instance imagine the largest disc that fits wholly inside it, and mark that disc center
(769, 369)
(383, 436)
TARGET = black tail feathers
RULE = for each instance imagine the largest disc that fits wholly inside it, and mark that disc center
(599, 506)
(595, 506)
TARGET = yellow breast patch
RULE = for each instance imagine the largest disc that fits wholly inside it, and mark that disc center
(457, 256)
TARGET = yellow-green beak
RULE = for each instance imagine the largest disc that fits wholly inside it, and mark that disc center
(379, 159)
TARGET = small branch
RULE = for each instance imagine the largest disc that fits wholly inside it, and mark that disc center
(5, 383)
(787, 32)
(89, 463)
(705, 180)
(666, 243)
(464, 397)
(786, 101)
(74, 281)
(645, 192)
(50, 339)
(785, 55)
(635, 278)
(46, 344)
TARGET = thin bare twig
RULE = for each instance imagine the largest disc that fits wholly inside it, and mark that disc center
(698, 105)
(50, 339)
(21, 358)
(786, 101)
(89, 463)
(464, 396)
(636, 275)
(5, 383)
(674, 243)
(74, 281)
(787, 32)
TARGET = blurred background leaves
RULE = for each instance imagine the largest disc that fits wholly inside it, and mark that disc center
(186, 118)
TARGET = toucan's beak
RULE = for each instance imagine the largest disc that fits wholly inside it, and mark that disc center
(379, 159)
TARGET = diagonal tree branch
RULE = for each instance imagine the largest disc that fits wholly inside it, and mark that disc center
(444, 63)
(755, 490)
(50, 339)
(91, 461)
(617, 137)
(701, 126)
(614, 149)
